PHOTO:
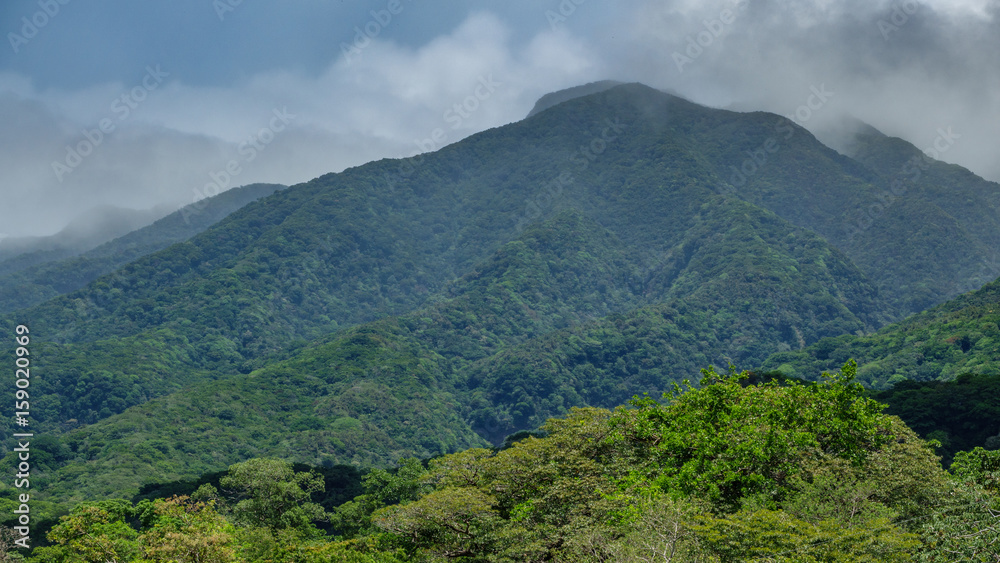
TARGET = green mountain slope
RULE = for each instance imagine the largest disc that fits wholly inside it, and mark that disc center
(897, 214)
(378, 240)
(592, 251)
(960, 336)
(463, 369)
(374, 241)
(369, 394)
(731, 295)
(86, 231)
(32, 285)
(944, 215)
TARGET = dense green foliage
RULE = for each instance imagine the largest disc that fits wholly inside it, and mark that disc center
(262, 513)
(727, 472)
(960, 414)
(22, 288)
(958, 337)
(944, 206)
(341, 483)
(467, 367)
(778, 472)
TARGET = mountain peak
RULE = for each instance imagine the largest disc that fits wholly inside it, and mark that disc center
(847, 134)
(560, 96)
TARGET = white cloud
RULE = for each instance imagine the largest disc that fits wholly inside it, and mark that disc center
(373, 107)
(935, 71)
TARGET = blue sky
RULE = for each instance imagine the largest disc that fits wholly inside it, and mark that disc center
(215, 44)
(162, 95)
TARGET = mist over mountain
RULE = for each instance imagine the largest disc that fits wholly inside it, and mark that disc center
(33, 277)
(86, 231)
(906, 72)
(556, 98)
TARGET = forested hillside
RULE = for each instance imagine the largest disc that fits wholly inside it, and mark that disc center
(21, 288)
(953, 211)
(961, 414)
(524, 337)
(600, 249)
(89, 229)
(958, 337)
(725, 472)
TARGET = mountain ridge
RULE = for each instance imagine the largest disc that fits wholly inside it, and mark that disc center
(957, 337)
(33, 284)
(446, 366)
(596, 250)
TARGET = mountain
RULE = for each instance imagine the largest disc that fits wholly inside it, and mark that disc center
(897, 213)
(22, 287)
(958, 337)
(385, 238)
(601, 248)
(446, 376)
(92, 228)
(556, 98)
(900, 220)
(951, 210)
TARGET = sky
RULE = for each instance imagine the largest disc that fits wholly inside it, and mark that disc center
(162, 102)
